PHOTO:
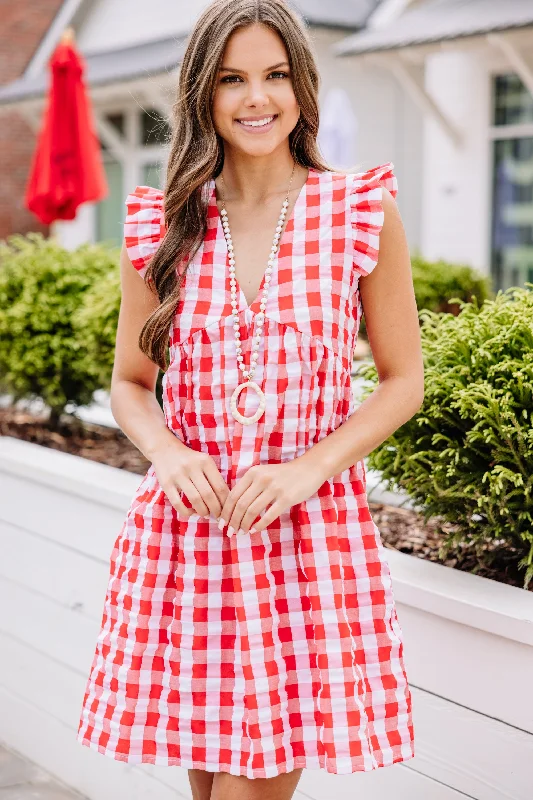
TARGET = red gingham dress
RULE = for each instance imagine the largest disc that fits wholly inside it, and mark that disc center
(260, 653)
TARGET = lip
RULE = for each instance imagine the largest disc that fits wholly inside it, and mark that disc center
(259, 129)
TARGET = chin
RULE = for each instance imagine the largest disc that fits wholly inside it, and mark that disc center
(265, 148)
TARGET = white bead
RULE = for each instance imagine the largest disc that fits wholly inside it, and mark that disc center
(268, 270)
(239, 357)
(236, 326)
(254, 357)
(267, 279)
(242, 367)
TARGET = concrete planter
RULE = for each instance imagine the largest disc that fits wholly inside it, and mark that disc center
(468, 649)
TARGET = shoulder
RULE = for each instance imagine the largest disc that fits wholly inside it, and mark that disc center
(144, 225)
(371, 195)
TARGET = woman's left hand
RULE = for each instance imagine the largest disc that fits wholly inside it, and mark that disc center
(279, 486)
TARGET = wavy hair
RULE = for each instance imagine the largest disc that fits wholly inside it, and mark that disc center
(196, 150)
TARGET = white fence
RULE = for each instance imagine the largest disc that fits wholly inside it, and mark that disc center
(468, 650)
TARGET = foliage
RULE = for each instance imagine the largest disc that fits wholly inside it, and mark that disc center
(42, 286)
(441, 286)
(467, 455)
(96, 321)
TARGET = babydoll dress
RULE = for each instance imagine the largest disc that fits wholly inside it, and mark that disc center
(259, 653)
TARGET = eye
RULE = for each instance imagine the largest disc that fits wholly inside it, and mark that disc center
(278, 74)
(231, 79)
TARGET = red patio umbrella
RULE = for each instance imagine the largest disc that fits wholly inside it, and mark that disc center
(66, 168)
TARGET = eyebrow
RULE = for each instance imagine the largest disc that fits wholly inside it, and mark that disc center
(242, 71)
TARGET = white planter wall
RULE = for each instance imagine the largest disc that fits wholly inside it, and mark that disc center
(468, 650)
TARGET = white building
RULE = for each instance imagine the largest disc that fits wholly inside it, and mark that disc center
(469, 68)
(443, 88)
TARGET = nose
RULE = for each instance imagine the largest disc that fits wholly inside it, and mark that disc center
(257, 96)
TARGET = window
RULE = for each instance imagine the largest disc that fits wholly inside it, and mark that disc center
(138, 159)
(154, 128)
(109, 212)
(512, 189)
(152, 175)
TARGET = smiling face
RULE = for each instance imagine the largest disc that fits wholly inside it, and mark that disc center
(254, 107)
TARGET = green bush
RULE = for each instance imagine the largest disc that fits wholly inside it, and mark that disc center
(437, 283)
(42, 287)
(467, 455)
(97, 320)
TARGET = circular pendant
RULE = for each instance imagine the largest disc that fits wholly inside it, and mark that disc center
(233, 403)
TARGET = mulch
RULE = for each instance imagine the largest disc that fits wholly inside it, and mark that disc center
(400, 528)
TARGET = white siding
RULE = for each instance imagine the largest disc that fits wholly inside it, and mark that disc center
(113, 24)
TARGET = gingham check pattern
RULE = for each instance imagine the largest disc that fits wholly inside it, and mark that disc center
(260, 653)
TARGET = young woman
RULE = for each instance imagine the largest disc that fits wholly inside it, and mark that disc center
(249, 627)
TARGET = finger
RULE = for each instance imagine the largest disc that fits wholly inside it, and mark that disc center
(255, 509)
(268, 517)
(207, 494)
(218, 484)
(242, 506)
(174, 498)
(232, 498)
(194, 497)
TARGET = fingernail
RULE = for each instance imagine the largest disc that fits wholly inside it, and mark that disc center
(221, 523)
(231, 531)
(241, 531)
(253, 530)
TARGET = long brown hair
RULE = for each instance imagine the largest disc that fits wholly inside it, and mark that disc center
(196, 150)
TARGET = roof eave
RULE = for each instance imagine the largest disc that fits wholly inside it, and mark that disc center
(346, 48)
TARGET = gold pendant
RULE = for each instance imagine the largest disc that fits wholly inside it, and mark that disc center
(233, 403)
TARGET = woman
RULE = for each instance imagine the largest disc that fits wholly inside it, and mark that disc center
(249, 627)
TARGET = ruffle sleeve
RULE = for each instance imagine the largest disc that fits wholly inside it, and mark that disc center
(144, 226)
(367, 215)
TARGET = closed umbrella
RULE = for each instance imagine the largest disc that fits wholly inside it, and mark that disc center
(66, 168)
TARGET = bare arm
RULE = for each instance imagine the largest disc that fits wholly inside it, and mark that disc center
(137, 411)
(133, 401)
(394, 336)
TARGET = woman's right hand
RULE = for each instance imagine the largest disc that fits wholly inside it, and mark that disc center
(180, 469)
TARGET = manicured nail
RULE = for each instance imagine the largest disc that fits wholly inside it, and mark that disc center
(253, 530)
(221, 523)
(241, 530)
(231, 531)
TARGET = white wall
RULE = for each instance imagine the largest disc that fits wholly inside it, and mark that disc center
(113, 24)
(457, 180)
(468, 650)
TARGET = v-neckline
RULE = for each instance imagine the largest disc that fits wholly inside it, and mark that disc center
(243, 304)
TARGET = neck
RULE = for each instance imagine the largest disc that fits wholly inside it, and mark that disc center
(251, 179)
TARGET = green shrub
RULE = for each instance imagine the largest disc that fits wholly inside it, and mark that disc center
(97, 320)
(467, 455)
(437, 283)
(42, 286)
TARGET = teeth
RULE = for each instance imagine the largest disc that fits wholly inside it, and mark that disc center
(257, 123)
